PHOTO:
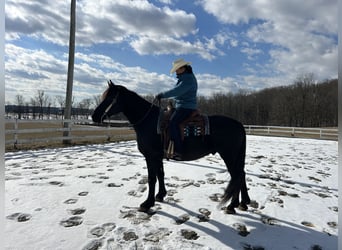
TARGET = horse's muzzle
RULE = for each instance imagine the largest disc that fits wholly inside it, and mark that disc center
(96, 118)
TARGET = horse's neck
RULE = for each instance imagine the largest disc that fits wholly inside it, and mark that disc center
(136, 108)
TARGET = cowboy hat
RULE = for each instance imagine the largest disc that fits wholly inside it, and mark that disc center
(178, 64)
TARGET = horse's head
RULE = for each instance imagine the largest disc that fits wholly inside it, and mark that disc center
(109, 103)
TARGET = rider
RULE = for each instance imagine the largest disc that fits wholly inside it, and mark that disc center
(185, 95)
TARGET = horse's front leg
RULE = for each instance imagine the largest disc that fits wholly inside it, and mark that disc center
(152, 179)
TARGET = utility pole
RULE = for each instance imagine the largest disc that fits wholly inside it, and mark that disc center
(68, 100)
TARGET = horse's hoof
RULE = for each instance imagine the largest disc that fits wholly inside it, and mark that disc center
(143, 209)
(243, 207)
(145, 206)
(159, 199)
(230, 210)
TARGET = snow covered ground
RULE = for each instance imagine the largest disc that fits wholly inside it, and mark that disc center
(85, 197)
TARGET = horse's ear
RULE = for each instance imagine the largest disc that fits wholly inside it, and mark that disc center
(110, 83)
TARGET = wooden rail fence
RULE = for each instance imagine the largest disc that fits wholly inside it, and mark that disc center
(25, 132)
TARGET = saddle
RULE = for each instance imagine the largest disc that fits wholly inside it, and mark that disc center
(195, 125)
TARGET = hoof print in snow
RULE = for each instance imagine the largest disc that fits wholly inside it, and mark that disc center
(76, 211)
(182, 219)
(109, 226)
(314, 179)
(215, 197)
(284, 193)
(171, 200)
(332, 224)
(277, 200)
(254, 204)
(20, 217)
(144, 180)
(93, 245)
(83, 193)
(249, 247)
(70, 201)
(96, 232)
(114, 185)
(72, 221)
(136, 217)
(335, 209)
(307, 224)
(157, 235)
(130, 236)
(204, 215)
(189, 234)
(316, 247)
(56, 183)
(269, 220)
(204, 211)
(203, 218)
(133, 193)
(241, 229)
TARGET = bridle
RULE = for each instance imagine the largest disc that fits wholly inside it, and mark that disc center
(115, 99)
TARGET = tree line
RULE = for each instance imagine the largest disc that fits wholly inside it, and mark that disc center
(305, 103)
(42, 106)
(302, 104)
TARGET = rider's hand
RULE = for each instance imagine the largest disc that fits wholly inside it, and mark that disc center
(159, 96)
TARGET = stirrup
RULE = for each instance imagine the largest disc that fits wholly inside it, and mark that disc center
(170, 150)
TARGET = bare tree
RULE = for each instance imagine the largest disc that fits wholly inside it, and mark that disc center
(97, 100)
(20, 102)
(61, 102)
(41, 100)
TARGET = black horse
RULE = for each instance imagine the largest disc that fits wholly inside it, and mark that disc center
(227, 137)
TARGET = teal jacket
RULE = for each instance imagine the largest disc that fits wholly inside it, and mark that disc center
(185, 91)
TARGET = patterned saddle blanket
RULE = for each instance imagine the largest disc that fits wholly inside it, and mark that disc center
(196, 124)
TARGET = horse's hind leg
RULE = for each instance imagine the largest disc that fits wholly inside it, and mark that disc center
(230, 209)
(162, 190)
(244, 196)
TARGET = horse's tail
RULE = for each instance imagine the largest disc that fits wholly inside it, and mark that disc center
(237, 174)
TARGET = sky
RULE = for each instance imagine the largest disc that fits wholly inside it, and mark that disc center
(233, 45)
(293, 183)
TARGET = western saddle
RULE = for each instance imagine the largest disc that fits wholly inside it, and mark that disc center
(196, 124)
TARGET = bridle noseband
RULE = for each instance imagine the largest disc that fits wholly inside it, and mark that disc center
(115, 99)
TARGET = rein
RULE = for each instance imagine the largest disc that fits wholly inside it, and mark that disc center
(141, 120)
(110, 105)
(147, 113)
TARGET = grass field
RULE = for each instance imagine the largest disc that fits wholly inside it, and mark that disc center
(45, 132)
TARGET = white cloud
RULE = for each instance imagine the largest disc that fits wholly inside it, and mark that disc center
(301, 36)
(100, 21)
(251, 52)
(29, 70)
(167, 45)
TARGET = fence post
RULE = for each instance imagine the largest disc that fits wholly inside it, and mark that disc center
(66, 134)
(108, 131)
(15, 133)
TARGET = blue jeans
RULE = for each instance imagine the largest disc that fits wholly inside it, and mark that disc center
(178, 117)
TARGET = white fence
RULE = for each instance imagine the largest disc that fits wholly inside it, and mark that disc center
(316, 133)
(21, 132)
